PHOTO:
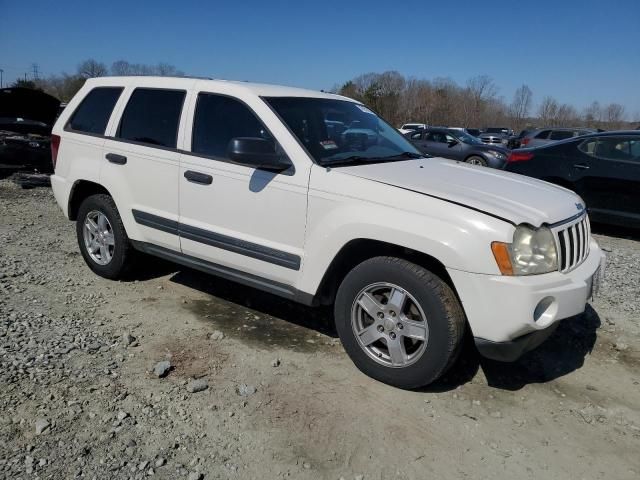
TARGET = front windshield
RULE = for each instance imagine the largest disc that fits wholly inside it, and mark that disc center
(464, 137)
(340, 131)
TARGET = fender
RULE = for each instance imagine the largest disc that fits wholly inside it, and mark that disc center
(458, 237)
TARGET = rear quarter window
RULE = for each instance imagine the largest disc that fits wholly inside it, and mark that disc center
(560, 135)
(92, 115)
(152, 117)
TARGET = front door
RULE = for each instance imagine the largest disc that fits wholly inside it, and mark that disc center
(611, 178)
(233, 215)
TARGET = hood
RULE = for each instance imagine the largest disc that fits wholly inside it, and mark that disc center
(24, 109)
(511, 197)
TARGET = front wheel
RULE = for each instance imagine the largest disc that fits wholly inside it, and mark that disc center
(399, 323)
(476, 160)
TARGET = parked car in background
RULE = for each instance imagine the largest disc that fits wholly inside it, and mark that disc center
(458, 145)
(26, 119)
(603, 168)
(475, 132)
(544, 136)
(499, 130)
(515, 141)
(410, 127)
(494, 139)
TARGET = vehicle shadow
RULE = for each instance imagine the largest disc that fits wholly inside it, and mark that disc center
(319, 319)
(563, 352)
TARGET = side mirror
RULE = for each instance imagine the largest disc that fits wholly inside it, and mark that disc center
(257, 153)
(452, 143)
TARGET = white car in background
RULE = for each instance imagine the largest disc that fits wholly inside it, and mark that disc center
(410, 127)
(244, 182)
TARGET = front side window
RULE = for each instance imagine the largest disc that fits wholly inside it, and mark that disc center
(612, 148)
(217, 120)
(152, 117)
(361, 136)
(92, 115)
(438, 137)
(416, 136)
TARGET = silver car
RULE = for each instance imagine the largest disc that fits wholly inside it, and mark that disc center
(544, 136)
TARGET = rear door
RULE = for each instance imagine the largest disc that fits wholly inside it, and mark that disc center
(141, 163)
(611, 177)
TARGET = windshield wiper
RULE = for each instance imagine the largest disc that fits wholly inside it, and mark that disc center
(402, 155)
(360, 160)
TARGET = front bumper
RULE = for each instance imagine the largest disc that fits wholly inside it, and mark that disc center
(503, 309)
(513, 349)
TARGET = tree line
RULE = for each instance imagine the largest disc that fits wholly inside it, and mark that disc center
(65, 85)
(398, 99)
(476, 104)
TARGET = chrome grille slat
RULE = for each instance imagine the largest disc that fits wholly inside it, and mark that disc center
(572, 243)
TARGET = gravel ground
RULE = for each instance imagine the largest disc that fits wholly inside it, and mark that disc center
(178, 375)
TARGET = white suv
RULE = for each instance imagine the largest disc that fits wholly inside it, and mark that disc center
(312, 197)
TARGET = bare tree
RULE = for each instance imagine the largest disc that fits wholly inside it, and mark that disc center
(566, 116)
(520, 106)
(548, 110)
(593, 115)
(92, 68)
(614, 114)
(481, 90)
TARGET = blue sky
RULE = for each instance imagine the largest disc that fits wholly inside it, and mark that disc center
(576, 51)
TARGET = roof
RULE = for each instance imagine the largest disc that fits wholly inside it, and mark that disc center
(230, 86)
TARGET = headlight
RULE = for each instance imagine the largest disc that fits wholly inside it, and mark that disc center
(497, 154)
(533, 251)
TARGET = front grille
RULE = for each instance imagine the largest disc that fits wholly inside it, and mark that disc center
(572, 241)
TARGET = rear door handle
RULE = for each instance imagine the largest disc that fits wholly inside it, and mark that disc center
(581, 166)
(197, 177)
(115, 158)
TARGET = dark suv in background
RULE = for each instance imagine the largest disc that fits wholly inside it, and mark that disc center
(458, 145)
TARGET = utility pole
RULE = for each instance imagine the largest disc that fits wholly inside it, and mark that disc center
(1, 73)
(34, 68)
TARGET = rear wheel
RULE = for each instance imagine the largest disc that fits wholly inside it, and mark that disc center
(102, 239)
(399, 323)
(476, 160)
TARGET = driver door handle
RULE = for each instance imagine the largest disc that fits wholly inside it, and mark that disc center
(197, 177)
(581, 166)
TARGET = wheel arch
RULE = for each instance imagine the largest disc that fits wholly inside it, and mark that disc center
(358, 250)
(80, 190)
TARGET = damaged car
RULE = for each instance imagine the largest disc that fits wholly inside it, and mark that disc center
(26, 119)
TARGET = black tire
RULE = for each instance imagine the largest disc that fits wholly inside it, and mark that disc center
(444, 317)
(476, 160)
(122, 250)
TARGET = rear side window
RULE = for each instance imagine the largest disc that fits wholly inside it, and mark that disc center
(92, 115)
(217, 120)
(543, 134)
(560, 135)
(152, 116)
